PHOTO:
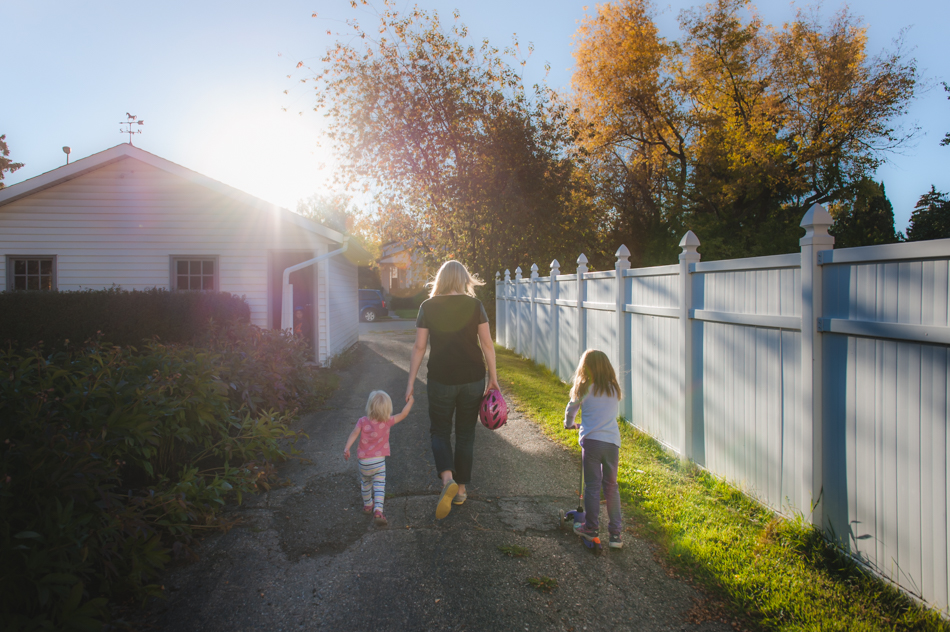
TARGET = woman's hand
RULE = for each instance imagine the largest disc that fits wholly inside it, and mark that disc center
(491, 386)
(346, 454)
(415, 360)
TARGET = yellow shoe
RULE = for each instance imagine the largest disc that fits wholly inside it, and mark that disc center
(445, 500)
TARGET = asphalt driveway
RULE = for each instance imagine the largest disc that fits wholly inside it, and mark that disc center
(306, 558)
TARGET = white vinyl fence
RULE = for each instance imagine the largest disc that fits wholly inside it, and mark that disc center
(815, 381)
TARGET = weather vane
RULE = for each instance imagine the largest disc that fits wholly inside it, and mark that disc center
(130, 123)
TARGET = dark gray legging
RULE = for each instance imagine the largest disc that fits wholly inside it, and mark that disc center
(461, 401)
(601, 460)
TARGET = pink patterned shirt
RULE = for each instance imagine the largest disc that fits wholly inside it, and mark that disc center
(374, 438)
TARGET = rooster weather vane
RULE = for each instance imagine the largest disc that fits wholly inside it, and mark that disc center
(130, 122)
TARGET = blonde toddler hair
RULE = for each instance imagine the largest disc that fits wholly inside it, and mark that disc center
(594, 370)
(379, 406)
(454, 277)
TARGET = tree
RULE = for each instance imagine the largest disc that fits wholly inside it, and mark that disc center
(946, 138)
(865, 219)
(463, 162)
(736, 129)
(930, 218)
(6, 164)
(333, 211)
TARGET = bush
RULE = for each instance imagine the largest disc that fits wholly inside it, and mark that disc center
(263, 367)
(123, 318)
(408, 302)
(111, 458)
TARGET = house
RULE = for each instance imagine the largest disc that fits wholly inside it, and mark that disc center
(129, 218)
(401, 270)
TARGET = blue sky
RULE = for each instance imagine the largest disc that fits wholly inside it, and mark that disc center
(208, 77)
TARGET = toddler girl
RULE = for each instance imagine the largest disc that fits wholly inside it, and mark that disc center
(374, 448)
(596, 392)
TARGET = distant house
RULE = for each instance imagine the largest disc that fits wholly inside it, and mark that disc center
(401, 270)
(128, 218)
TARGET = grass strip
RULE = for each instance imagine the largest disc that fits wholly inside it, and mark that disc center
(775, 574)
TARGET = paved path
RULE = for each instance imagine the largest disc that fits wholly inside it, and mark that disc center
(307, 558)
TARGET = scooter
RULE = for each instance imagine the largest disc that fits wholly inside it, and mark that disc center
(576, 517)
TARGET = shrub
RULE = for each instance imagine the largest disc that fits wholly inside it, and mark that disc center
(111, 457)
(262, 367)
(408, 302)
(123, 318)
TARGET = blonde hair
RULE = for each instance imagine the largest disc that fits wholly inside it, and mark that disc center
(379, 406)
(453, 277)
(595, 370)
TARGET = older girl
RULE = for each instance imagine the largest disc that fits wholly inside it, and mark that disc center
(596, 392)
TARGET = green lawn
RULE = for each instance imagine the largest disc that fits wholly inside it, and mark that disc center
(772, 573)
(406, 313)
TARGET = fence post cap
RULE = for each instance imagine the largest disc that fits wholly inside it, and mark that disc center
(816, 223)
(518, 270)
(555, 265)
(534, 267)
(623, 256)
(582, 260)
(497, 276)
(689, 241)
(816, 216)
(507, 274)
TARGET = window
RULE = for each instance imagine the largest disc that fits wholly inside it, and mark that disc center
(195, 273)
(31, 273)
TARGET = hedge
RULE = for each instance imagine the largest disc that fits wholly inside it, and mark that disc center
(112, 457)
(124, 318)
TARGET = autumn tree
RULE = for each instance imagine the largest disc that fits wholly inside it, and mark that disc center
(6, 164)
(736, 129)
(930, 218)
(865, 218)
(462, 160)
(330, 210)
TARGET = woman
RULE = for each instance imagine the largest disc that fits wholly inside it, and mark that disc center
(454, 323)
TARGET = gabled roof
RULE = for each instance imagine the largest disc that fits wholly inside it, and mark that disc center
(125, 150)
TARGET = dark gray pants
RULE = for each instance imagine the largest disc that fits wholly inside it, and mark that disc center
(461, 401)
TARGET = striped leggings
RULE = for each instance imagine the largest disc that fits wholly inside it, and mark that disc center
(373, 481)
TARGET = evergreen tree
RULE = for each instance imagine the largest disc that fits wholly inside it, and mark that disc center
(867, 219)
(931, 217)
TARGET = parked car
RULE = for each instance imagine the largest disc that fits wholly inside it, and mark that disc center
(372, 305)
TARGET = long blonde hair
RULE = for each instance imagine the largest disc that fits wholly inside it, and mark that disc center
(594, 370)
(453, 277)
(379, 406)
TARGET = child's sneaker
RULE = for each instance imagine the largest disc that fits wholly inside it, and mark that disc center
(368, 509)
(380, 519)
(616, 542)
(588, 534)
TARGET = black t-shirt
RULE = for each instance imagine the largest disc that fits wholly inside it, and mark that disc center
(455, 356)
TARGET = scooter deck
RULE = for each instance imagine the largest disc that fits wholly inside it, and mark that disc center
(567, 521)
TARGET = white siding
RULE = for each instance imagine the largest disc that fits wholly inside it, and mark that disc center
(120, 224)
(344, 304)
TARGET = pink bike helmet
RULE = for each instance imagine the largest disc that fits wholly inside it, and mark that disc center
(493, 412)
